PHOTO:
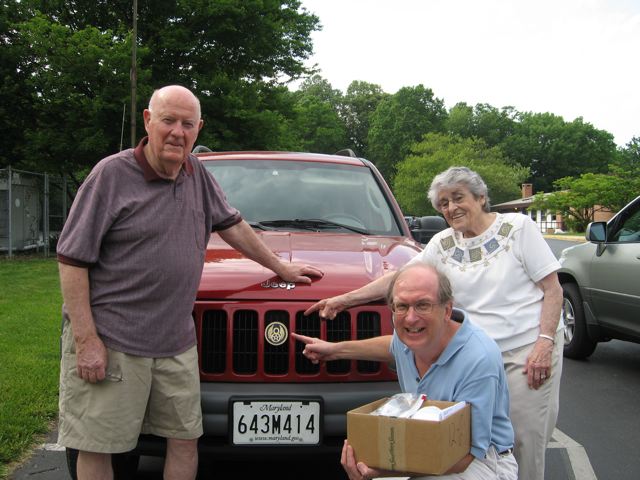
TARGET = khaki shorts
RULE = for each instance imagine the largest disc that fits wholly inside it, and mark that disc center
(160, 396)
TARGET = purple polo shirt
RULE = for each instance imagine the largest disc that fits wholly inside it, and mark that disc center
(143, 240)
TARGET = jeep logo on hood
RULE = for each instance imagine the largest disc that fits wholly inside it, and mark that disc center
(285, 285)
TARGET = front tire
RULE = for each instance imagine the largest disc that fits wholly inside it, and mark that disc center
(577, 343)
(125, 465)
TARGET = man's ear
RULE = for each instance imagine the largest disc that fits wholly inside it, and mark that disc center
(448, 308)
(146, 116)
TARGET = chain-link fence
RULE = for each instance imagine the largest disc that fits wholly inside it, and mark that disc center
(33, 208)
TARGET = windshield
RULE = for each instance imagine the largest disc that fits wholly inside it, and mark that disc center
(290, 195)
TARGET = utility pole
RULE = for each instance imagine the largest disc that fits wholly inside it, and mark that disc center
(134, 74)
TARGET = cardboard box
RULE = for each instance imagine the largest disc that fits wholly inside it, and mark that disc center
(408, 445)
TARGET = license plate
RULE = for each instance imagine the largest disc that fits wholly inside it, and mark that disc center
(276, 422)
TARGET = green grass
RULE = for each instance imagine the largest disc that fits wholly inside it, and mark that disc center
(30, 316)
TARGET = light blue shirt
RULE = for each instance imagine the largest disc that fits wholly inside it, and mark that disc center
(470, 369)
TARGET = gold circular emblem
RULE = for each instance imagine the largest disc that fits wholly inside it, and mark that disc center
(276, 333)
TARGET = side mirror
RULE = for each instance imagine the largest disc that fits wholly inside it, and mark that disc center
(597, 232)
(411, 222)
(427, 227)
(432, 223)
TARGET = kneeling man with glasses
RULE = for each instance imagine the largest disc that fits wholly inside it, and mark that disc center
(437, 350)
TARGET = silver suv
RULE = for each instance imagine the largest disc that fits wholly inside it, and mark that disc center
(601, 284)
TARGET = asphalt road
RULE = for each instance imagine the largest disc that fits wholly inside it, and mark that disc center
(599, 408)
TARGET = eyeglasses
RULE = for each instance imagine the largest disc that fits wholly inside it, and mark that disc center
(457, 199)
(421, 308)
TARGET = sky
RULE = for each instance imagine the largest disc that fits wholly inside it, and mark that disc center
(572, 58)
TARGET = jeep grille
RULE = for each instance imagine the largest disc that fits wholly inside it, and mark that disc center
(233, 345)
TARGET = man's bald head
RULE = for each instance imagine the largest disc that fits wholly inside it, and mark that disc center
(175, 92)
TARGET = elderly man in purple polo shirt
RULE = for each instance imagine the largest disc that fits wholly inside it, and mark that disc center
(131, 254)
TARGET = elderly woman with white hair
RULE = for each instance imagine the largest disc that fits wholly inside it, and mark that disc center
(503, 275)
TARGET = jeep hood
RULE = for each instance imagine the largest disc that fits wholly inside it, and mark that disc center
(348, 261)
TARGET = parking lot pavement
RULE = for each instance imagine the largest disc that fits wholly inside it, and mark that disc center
(47, 462)
(566, 460)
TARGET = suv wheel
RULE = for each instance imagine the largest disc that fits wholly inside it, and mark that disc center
(577, 343)
(125, 465)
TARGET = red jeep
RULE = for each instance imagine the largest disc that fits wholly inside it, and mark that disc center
(260, 395)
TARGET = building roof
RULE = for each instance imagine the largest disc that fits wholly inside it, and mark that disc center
(513, 204)
(519, 203)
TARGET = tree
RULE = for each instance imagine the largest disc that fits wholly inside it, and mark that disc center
(627, 162)
(319, 88)
(461, 121)
(77, 82)
(400, 121)
(15, 99)
(235, 55)
(317, 126)
(579, 198)
(482, 121)
(316, 122)
(436, 153)
(553, 148)
(626, 168)
(549, 146)
(358, 105)
(249, 116)
(194, 41)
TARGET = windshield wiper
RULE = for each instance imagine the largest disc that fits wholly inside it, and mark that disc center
(312, 224)
(258, 225)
